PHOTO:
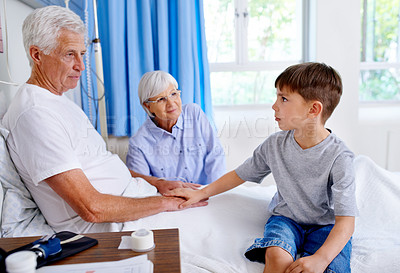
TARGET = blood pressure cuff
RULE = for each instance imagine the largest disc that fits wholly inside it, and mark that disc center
(71, 243)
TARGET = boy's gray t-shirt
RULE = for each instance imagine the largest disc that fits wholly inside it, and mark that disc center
(313, 185)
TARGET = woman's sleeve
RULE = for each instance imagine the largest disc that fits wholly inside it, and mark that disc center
(136, 160)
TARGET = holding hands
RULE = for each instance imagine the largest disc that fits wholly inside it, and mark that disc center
(166, 185)
(174, 203)
(191, 195)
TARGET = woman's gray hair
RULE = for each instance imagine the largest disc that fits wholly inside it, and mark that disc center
(42, 28)
(153, 83)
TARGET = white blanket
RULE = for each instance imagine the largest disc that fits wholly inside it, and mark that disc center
(376, 241)
(214, 238)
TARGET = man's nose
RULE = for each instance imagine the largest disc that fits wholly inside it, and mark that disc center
(79, 63)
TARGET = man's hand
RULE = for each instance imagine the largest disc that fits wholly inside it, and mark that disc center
(164, 186)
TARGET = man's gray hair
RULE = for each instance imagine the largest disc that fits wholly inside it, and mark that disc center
(153, 83)
(42, 28)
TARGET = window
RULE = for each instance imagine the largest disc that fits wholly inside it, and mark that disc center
(250, 42)
(380, 51)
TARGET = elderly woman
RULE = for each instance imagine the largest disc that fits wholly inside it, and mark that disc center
(176, 146)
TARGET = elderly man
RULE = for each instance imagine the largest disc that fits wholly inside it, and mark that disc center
(77, 184)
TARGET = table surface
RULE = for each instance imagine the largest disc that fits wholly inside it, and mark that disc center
(165, 256)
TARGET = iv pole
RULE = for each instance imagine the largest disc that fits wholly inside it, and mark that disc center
(100, 77)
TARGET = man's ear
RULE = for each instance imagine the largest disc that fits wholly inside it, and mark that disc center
(35, 54)
(316, 109)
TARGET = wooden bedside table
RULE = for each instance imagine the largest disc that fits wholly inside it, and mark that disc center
(165, 256)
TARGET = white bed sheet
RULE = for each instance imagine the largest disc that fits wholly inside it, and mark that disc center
(214, 238)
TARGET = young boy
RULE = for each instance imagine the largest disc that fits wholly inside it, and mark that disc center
(314, 208)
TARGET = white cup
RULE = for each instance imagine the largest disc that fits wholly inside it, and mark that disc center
(21, 262)
(142, 240)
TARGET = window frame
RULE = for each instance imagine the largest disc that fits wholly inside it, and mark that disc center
(242, 64)
(372, 65)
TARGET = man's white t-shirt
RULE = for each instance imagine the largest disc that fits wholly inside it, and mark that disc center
(49, 134)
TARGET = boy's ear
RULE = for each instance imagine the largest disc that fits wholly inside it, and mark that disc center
(316, 109)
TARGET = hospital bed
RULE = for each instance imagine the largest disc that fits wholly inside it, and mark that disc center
(214, 238)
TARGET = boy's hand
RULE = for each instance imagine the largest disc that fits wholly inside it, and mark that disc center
(191, 196)
(309, 264)
(336, 241)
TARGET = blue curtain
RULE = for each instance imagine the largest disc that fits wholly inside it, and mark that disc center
(145, 35)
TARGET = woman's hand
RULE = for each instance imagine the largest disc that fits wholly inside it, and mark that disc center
(164, 186)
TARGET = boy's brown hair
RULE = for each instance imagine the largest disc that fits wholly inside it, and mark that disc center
(313, 81)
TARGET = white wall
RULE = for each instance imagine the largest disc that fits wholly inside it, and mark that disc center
(18, 62)
(338, 44)
(372, 130)
(367, 129)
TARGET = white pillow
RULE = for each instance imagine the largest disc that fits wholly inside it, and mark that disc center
(3, 166)
(20, 215)
(1, 199)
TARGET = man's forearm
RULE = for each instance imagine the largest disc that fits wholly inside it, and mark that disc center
(93, 206)
(109, 208)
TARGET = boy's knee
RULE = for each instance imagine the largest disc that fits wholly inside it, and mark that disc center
(277, 259)
(275, 254)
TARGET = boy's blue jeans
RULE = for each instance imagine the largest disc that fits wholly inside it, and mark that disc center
(302, 240)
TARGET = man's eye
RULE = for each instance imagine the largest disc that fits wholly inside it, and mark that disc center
(284, 99)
